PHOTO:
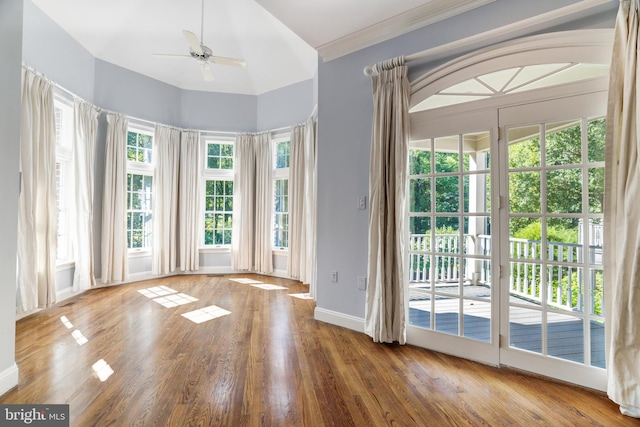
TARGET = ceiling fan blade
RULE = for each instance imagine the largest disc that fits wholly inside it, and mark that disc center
(171, 55)
(233, 62)
(193, 41)
(207, 74)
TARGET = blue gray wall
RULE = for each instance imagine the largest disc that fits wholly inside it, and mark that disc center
(286, 106)
(345, 113)
(10, 75)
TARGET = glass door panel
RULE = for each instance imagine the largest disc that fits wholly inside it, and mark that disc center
(450, 259)
(552, 287)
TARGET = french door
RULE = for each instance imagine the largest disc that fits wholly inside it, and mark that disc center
(452, 292)
(504, 259)
(552, 171)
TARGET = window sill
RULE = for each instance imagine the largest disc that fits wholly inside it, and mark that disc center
(139, 253)
(215, 249)
(65, 265)
(280, 251)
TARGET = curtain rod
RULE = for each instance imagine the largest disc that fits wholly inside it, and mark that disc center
(533, 23)
(145, 121)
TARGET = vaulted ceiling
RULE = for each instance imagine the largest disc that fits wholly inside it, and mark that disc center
(279, 39)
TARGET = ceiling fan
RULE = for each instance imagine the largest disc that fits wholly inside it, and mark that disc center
(204, 54)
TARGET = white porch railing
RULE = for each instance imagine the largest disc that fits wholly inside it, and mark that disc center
(564, 281)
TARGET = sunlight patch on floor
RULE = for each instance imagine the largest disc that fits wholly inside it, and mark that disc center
(175, 300)
(301, 296)
(246, 281)
(80, 339)
(102, 370)
(205, 314)
(268, 287)
(66, 322)
(157, 291)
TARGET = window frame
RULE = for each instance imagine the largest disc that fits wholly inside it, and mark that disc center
(64, 180)
(214, 174)
(135, 167)
(279, 174)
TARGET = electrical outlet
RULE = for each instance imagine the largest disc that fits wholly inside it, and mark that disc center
(334, 276)
(362, 202)
(362, 283)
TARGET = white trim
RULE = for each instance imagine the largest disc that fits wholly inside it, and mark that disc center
(538, 23)
(339, 319)
(279, 273)
(66, 293)
(139, 252)
(592, 46)
(397, 25)
(215, 249)
(548, 366)
(65, 265)
(8, 378)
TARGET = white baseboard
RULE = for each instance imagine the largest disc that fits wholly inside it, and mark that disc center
(8, 379)
(212, 270)
(67, 293)
(339, 319)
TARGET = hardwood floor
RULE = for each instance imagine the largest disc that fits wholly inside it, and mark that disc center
(266, 363)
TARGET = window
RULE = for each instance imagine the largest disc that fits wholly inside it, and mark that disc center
(218, 192)
(281, 193)
(139, 188)
(63, 110)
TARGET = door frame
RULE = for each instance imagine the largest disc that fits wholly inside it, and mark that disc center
(589, 46)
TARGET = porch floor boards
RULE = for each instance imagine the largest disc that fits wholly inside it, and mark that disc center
(565, 333)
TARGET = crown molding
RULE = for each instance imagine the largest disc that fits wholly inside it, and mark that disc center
(397, 25)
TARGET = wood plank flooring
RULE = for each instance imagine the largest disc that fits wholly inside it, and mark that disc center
(266, 363)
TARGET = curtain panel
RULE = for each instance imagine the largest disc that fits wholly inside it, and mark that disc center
(308, 268)
(622, 216)
(85, 124)
(166, 152)
(252, 204)
(114, 253)
(263, 204)
(302, 205)
(296, 200)
(242, 229)
(37, 232)
(385, 307)
(189, 202)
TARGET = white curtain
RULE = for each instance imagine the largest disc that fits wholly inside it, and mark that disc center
(384, 310)
(189, 202)
(296, 200)
(252, 202)
(242, 232)
(622, 216)
(114, 210)
(85, 124)
(37, 231)
(302, 205)
(166, 153)
(263, 204)
(309, 212)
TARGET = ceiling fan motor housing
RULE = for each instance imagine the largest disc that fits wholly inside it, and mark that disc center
(206, 53)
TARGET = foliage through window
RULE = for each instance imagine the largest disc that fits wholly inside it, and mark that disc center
(63, 110)
(218, 214)
(139, 146)
(281, 156)
(139, 188)
(218, 192)
(219, 155)
(139, 200)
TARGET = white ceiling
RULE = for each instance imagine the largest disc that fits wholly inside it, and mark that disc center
(128, 32)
